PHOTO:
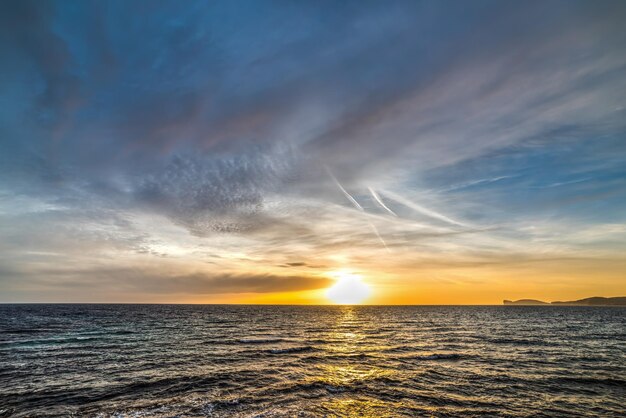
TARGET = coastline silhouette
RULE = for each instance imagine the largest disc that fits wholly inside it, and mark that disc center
(592, 301)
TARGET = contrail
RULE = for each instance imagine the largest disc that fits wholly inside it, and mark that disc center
(380, 201)
(356, 205)
(475, 183)
(422, 210)
(379, 237)
(345, 192)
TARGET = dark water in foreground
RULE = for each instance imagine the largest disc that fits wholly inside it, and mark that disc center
(193, 361)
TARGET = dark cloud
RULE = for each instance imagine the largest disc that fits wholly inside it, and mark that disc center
(217, 193)
(28, 27)
(114, 280)
(296, 264)
(242, 283)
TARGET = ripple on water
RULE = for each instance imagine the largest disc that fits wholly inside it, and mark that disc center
(159, 360)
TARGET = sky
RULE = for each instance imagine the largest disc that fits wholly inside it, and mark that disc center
(441, 152)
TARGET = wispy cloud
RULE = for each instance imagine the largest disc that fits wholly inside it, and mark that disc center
(211, 137)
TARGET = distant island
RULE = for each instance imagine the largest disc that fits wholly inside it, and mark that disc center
(594, 301)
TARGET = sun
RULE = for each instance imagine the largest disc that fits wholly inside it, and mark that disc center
(348, 290)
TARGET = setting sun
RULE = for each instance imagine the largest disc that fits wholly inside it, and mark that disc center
(348, 290)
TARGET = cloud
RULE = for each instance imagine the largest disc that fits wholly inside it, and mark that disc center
(147, 281)
(223, 193)
(204, 133)
(29, 24)
(242, 283)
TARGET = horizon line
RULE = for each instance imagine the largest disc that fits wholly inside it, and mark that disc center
(547, 304)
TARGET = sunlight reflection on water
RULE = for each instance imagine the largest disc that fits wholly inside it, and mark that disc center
(196, 361)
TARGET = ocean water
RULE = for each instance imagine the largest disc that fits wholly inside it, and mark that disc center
(265, 361)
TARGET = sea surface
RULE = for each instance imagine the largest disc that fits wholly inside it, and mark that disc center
(295, 361)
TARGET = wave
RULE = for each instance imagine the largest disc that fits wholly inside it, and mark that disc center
(575, 380)
(400, 349)
(260, 340)
(318, 385)
(521, 341)
(441, 356)
(51, 341)
(327, 357)
(27, 331)
(290, 350)
(6, 412)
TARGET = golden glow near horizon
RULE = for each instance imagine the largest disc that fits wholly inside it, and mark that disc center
(348, 290)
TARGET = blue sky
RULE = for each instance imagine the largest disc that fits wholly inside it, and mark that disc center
(226, 151)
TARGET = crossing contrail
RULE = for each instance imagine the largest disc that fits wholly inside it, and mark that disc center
(422, 210)
(356, 205)
(380, 201)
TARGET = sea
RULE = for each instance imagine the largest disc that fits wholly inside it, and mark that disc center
(111, 360)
